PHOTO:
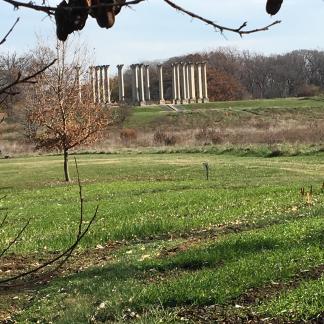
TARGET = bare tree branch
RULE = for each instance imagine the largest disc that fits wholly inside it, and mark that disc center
(63, 257)
(240, 30)
(51, 11)
(9, 32)
(3, 220)
(27, 79)
(15, 239)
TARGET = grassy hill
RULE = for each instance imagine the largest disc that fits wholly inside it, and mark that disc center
(227, 113)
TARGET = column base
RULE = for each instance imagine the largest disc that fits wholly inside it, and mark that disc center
(205, 100)
(177, 102)
(184, 101)
(162, 102)
(199, 101)
(142, 103)
(192, 101)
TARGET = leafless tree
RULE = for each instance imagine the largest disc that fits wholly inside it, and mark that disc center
(61, 113)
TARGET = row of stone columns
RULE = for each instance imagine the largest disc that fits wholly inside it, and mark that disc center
(141, 89)
(99, 79)
(189, 83)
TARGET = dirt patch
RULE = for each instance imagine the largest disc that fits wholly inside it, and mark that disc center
(12, 265)
(14, 296)
(184, 246)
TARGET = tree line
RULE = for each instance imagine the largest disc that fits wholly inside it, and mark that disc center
(235, 75)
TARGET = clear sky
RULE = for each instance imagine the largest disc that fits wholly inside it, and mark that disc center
(153, 30)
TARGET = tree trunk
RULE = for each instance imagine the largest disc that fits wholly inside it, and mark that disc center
(66, 165)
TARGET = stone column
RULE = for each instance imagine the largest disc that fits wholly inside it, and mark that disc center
(188, 81)
(101, 83)
(174, 84)
(91, 82)
(192, 83)
(96, 82)
(121, 83)
(161, 90)
(106, 85)
(178, 98)
(199, 83)
(141, 84)
(183, 83)
(135, 93)
(205, 82)
(147, 83)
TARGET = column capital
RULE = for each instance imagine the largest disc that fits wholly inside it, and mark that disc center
(120, 66)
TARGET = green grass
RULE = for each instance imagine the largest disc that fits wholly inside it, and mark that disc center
(228, 113)
(315, 102)
(302, 302)
(188, 241)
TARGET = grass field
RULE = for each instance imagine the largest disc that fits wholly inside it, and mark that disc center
(169, 246)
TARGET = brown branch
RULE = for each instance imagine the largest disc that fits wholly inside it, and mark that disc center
(51, 10)
(65, 254)
(81, 216)
(15, 239)
(3, 220)
(50, 262)
(240, 30)
(80, 196)
(27, 79)
(4, 39)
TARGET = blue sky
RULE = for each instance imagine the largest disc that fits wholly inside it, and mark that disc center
(154, 31)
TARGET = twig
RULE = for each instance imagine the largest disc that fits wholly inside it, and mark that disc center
(44, 265)
(80, 196)
(65, 254)
(27, 79)
(240, 30)
(3, 220)
(15, 239)
(4, 39)
(51, 10)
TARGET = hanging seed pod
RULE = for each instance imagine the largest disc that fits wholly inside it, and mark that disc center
(63, 24)
(105, 16)
(273, 6)
(78, 15)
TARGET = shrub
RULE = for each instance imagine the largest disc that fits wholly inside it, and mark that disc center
(128, 135)
(161, 137)
(207, 135)
(308, 90)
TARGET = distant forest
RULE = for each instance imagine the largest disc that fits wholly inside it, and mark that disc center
(235, 75)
